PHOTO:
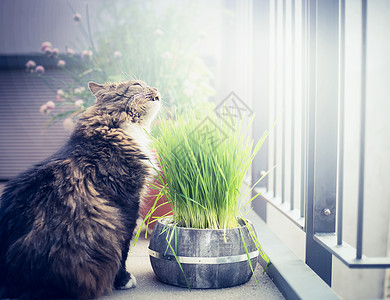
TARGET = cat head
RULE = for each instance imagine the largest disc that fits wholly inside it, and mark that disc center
(126, 102)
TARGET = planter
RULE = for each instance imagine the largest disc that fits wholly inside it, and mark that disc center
(209, 258)
(163, 208)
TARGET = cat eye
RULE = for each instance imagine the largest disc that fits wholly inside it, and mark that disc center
(137, 83)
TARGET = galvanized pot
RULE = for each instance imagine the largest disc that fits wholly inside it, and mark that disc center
(209, 258)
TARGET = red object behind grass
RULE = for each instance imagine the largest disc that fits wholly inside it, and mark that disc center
(162, 207)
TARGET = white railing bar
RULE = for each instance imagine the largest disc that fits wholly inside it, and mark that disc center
(283, 84)
(276, 202)
(275, 90)
(359, 240)
(304, 106)
(292, 204)
(341, 125)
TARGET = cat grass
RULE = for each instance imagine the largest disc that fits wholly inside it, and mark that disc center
(203, 165)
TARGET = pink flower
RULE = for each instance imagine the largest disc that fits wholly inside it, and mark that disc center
(47, 107)
(45, 45)
(30, 65)
(69, 52)
(79, 90)
(50, 105)
(68, 124)
(43, 109)
(60, 94)
(79, 103)
(40, 70)
(48, 51)
(61, 63)
(77, 17)
(86, 55)
(117, 55)
(55, 52)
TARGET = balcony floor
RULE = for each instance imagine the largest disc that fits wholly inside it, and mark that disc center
(148, 287)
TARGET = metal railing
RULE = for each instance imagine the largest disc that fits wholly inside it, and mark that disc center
(305, 91)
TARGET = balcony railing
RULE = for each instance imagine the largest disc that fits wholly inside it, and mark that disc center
(306, 77)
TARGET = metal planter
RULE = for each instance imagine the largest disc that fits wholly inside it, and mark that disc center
(209, 258)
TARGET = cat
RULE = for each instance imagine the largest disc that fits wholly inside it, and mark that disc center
(66, 223)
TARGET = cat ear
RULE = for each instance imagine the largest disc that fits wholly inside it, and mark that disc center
(95, 88)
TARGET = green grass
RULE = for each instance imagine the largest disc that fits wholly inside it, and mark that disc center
(203, 164)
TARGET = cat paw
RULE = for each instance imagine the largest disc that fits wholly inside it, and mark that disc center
(132, 283)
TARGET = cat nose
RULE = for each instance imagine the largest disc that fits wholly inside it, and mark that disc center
(157, 96)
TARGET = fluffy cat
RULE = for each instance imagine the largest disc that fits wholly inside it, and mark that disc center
(66, 223)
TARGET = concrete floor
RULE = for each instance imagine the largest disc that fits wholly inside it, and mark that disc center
(148, 287)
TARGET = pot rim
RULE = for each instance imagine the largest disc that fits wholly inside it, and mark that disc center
(168, 222)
